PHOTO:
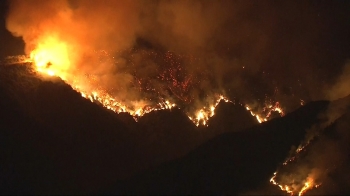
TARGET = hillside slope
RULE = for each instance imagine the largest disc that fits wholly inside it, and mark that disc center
(232, 162)
(55, 141)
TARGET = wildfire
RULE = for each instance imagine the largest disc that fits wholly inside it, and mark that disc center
(137, 110)
(297, 151)
(259, 118)
(282, 187)
(203, 115)
(53, 57)
(306, 186)
(295, 186)
(268, 110)
(293, 189)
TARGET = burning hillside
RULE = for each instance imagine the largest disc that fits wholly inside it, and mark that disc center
(107, 51)
(170, 81)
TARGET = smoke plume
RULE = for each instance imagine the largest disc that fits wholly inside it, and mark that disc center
(341, 87)
(185, 51)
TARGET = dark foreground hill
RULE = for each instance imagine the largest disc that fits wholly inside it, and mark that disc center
(243, 162)
(232, 162)
(53, 141)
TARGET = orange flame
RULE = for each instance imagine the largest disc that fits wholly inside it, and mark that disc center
(293, 189)
(283, 188)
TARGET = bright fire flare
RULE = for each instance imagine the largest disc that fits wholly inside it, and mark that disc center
(51, 57)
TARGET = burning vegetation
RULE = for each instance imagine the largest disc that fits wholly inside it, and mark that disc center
(137, 57)
(49, 56)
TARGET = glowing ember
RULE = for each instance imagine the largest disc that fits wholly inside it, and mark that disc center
(297, 151)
